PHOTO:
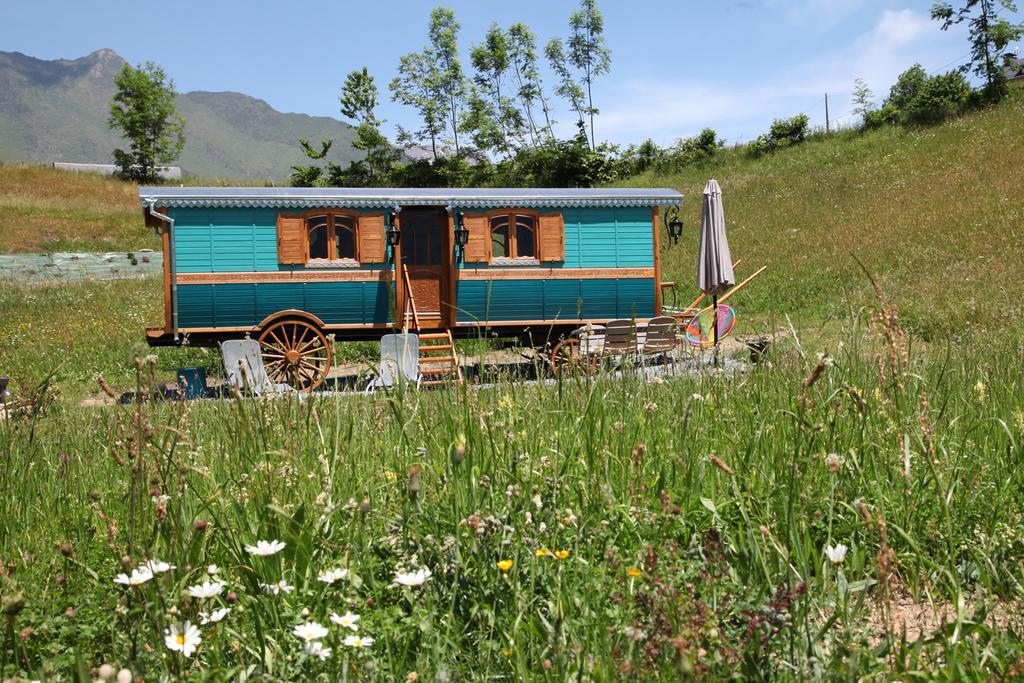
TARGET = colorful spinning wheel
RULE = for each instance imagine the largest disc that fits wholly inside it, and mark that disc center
(700, 330)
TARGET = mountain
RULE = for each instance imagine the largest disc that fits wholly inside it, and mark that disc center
(57, 111)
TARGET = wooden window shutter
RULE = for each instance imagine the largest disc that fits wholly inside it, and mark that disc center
(478, 246)
(371, 238)
(291, 239)
(552, 237)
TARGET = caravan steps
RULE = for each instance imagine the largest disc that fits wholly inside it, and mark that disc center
(439, 363)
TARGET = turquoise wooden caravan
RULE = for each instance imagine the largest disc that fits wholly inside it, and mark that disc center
(298, 267)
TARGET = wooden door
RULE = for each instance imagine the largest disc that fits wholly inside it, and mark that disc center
(425, 257)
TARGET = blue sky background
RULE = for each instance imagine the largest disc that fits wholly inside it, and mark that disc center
(677, 65)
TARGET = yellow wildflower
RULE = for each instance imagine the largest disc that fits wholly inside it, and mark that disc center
(561, 554)
(543, 552)
(504, 565)
(634, 572)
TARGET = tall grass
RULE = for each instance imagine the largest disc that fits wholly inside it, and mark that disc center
(691, 516)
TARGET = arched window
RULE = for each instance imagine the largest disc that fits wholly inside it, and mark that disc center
(331, 237)
(513, 235)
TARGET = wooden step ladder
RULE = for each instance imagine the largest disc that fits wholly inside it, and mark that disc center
(439, 363)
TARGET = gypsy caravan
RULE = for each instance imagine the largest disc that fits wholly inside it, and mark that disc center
(298, 267)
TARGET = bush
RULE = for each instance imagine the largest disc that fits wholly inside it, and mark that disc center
(939, 98)
(876, 118)
(783, 133)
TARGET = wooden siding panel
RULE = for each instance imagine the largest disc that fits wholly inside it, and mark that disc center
(370, 233)
(195, 306)
(561, 300)
(234, 305)
(336, 303)
(376, 306)
(471, 300)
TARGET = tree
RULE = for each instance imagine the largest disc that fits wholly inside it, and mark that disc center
(522, 55)
(358, 101)
(989, 35)
(143, 110)
(359, 97)
(433, 81)
(588, 52)
(862, 99)
(567, 88)
(906, 88)
(450, 80)
(416, 86)
(494, 120)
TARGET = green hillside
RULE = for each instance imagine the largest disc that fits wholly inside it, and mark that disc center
(57, 111)
(936, 214)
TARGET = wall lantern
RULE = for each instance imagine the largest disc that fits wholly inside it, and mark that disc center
(461, 233)
(674, 224)
(392, 233)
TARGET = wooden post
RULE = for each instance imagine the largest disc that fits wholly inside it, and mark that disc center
(827, 127)
(656, 226)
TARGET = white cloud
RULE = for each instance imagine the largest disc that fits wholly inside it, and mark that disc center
(899, 27)
(668, 110)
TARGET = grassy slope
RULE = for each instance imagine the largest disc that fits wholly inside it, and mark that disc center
(936, 214)
(44, 210)
(924, 210)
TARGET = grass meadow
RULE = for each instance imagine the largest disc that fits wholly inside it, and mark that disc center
(593, 530)
(851, 509)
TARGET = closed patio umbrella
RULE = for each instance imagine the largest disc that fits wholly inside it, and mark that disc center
(714, 262)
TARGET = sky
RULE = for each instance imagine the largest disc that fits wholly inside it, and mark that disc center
(678, 66)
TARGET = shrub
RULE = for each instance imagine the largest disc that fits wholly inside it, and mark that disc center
(939, 98)
(783, 133)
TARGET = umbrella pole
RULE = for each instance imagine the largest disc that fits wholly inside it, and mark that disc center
(714, 324)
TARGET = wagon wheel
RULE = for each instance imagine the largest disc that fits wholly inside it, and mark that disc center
(296, 353)
(567, 359)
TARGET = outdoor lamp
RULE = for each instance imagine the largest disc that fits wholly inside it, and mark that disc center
(393, 234)
(675, 224)
(461, 233)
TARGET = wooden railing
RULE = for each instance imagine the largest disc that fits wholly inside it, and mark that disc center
(410, 303)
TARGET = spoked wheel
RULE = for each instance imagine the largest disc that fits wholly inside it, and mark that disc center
(296, 353)
(567, 360)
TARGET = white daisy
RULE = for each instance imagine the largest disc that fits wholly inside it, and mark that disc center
(214, 616)
(836, 553)
(213, 570)
(206, 589)
(416, 578)
(277, 588)
(140, 575)
(157, 567)
(357, 641)
(346, 620)
(184, 640)
(332, 576)
(265, 548)
(317, 649)
(310, 630)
